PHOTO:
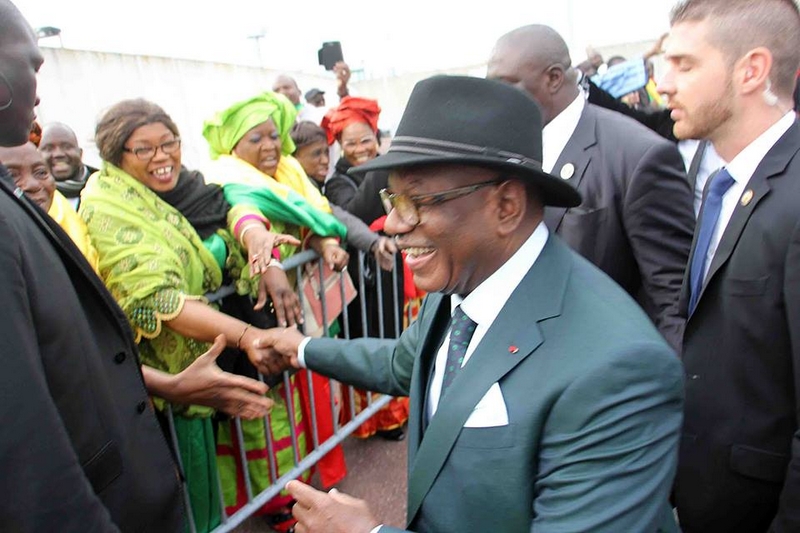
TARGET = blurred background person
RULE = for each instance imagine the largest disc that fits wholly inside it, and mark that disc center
(63, 156)
(314, 112)
(315, 97)
(27, 168)
(311, 151)
(354, 125)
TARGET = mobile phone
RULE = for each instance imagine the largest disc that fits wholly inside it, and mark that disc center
(330, 54)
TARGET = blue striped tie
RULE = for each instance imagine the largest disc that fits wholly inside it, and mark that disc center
(461, 330)
(712, 205)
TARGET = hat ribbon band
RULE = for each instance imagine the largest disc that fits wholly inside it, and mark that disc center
(422, 145)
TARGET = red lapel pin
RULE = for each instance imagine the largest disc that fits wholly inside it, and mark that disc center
(513, 349)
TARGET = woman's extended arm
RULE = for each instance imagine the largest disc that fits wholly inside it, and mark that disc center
(204, 383)
(199, 321)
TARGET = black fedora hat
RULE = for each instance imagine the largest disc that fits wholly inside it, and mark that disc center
(464, 120)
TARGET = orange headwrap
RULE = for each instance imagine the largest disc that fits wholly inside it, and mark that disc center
(351, 110)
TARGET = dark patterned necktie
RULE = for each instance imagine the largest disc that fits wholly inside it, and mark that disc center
(461, 330)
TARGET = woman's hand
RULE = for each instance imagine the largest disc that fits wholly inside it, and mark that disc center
(335, 257)
(384, 250)
(284, 300)
(259, 243)
(328, 248)
(204, 383)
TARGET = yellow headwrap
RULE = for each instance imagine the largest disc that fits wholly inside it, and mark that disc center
(225, 128)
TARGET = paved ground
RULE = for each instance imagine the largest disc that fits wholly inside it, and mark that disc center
(376, 473)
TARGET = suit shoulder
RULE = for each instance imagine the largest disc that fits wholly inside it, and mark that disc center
(611, 316)
(617, 125)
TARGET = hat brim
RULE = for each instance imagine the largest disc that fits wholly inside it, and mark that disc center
(554, 191)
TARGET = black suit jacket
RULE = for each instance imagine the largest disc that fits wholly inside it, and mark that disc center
(636, 220)
(81, 448)
(739, 466)
(660, 121)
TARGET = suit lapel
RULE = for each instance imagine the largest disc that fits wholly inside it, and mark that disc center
(578, 154)
(773, 165)
(509, 340)
(435, 328)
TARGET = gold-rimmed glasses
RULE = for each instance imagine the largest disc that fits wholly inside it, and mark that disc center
(408, 206)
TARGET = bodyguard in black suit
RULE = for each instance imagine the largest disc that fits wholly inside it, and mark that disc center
(81, 449)
(636, 219)
(739, 464)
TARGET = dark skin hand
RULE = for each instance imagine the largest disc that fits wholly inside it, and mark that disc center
(282, 345)
(328, 248)
(204, 383)
(259, 243)
(384, 250)
(283, 298)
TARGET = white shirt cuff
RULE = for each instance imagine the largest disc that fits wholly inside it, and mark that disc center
(301, 358)
(376, 529)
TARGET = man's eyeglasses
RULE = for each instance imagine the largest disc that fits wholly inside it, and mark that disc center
(149, 152)
(408, 206)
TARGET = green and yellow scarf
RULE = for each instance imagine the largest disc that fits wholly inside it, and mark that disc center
(152, 260)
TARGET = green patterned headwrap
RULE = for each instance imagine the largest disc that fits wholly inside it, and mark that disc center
(225, 128)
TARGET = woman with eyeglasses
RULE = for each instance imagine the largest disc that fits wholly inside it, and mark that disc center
(165, 239)
(251, 146)
(311, 151)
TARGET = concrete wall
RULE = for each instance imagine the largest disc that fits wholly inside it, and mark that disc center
(76, 86)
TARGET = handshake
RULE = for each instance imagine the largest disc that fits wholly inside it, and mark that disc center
(273, 350)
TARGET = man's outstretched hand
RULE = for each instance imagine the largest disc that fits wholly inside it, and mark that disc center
(329, 512)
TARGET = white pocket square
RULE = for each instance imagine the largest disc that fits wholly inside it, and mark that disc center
(491, 410)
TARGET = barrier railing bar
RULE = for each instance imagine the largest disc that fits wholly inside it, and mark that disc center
(174, 436)
(237, 422)
(287, 385)
(310, 460)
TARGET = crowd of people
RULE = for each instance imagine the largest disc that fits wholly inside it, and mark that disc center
(599, 296)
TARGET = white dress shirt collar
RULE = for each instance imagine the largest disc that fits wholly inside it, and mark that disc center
(741, 169)
(485, 302)
(744, 165)
(557, 133)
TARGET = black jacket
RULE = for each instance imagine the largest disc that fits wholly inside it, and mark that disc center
(81, 448)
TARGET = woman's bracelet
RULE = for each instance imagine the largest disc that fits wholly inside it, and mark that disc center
(244, 231)
(245, 218)
(275, 263)
(239, 342)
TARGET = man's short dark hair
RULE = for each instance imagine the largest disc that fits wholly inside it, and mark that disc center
(741, 25)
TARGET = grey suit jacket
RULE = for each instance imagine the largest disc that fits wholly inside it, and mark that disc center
(637, 217)
(81, 449)
(593, 395)
(740, 452)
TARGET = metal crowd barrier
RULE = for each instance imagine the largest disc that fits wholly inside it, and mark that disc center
(319, 449)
